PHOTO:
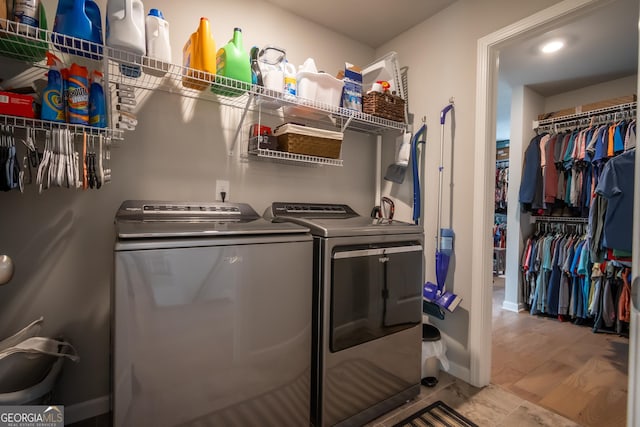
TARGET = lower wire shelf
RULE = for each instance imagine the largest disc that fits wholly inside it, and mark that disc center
(37, 124)
(284, 156)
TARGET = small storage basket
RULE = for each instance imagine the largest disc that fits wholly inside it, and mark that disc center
(385, 105)
(309, 141)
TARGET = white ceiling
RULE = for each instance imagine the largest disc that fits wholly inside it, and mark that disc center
(600, 46)
(373, 22)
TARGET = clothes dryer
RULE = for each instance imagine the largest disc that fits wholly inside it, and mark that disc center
(367, 311)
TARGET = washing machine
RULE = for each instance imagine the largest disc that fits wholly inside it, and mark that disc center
(211, 317)
(367, 311)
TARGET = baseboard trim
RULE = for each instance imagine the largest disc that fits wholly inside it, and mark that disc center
(460, 372)
(512, 306)
(87, 409)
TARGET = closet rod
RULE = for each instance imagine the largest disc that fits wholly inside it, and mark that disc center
(630, 106)
(559, 219)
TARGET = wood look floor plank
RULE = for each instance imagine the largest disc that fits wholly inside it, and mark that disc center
(560, 366)
(542, 380)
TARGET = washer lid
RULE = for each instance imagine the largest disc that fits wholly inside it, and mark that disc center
(138, 219)
(326, 220)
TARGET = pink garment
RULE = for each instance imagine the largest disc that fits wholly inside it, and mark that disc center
(543, 144)
(551, 173)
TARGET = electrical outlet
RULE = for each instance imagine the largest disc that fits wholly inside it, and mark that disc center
(222, 186)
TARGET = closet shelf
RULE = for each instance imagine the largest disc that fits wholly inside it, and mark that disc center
(157, 75)
(584, 118)
(558, 219)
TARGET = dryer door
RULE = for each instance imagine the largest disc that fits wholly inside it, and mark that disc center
(375, 291)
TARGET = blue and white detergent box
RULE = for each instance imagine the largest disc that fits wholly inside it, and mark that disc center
(352, 90)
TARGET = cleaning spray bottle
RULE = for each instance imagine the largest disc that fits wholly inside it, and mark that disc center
(53, 107)
(77, 95)
(97, 103)
(233, 61)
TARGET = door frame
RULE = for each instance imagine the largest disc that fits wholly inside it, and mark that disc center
(485, 130)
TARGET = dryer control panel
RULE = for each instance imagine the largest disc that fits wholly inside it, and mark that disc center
(311, 210)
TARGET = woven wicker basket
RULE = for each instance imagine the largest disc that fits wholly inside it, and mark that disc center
(309, 145)
(385, 105)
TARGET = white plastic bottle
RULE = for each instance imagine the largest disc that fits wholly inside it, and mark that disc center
(290, 87)
(125, 27)
(27, 12)
(158, 45)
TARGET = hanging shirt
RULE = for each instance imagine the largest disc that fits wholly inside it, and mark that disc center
(601, 144)
(630, 137)
(531, 173)
(618, 137)
(551, 173)
(610, 150)
(616, 185)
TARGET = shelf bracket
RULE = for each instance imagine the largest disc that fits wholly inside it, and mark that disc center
(237, 135)
(346, 125)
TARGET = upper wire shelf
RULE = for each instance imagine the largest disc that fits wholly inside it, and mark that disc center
(26, 43)
(151, 74)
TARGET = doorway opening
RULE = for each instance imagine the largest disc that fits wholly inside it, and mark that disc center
(489, 49)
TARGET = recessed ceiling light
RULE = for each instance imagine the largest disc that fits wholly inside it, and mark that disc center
(552, 46)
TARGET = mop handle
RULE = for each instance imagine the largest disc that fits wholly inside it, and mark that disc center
(443, 113)
(443, 116)
(416, 176)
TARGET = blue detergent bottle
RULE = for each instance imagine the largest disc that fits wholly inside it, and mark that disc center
(79, 19)
(97, 102)
(53, 106)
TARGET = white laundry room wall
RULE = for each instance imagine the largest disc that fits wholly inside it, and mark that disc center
(590, 94)
(62, 240)
(441, 55)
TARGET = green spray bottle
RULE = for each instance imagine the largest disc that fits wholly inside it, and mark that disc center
(232, 61)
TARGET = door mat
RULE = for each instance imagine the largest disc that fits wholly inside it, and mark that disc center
(436, 414)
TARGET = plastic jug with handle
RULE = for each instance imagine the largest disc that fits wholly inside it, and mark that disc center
(79, 19)
(158, 45)
(271, 62)
(199, 58)
(233, 61)
(126, 32)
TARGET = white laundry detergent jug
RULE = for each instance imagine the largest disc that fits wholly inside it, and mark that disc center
(126, 32)
(158, 45)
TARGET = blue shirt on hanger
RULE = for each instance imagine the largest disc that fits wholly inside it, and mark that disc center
(616, 185)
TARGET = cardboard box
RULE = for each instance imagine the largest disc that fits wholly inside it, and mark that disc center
(352, 90)
(502, 153)
(612, 102)
(13, 104)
